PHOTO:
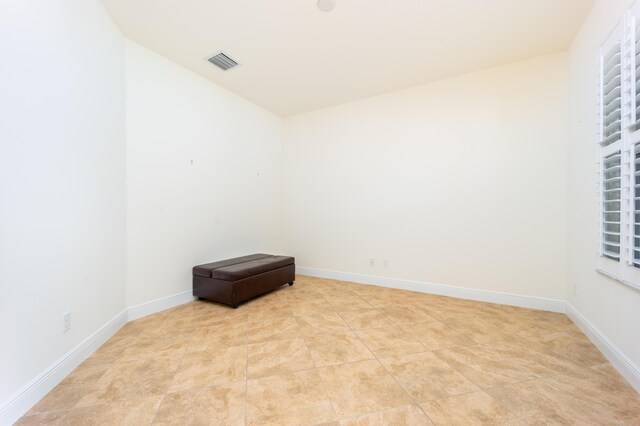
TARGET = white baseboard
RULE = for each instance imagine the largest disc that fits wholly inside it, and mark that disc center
(158, 305)
(532, 302)
(629, 370)
(18, 404)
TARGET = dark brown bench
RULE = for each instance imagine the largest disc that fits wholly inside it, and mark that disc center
(234, 281)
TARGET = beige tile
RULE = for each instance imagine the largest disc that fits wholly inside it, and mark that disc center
(542, 322)
(487, 367)
(389, 341)
(523, 357)
(148, 323)
(111, 350)
(220, 404)
(220, 335)
(536, 364)
(208, 368)
(343, 302)
(538, 402)
(62, 397)
(336, 290)
(479, 329)
(529, 328)
(271, 299)
(379, 301)
(132, 380)
(491, 310)
(336, 348)
(435, 335)
(406, 295)
(448, 313)
(133, 412)
(633, 418)
(401, 416)
(311, 323)
(277, 356)
(273, 302)
(301, 287)
(169, 327)
(214, 313)
(270, 311)
(571, 345)
(378, 297)
(366, 318)
(311, 308)
(279, 328)
(599, 386)
(50, 418)
(86, 373)
(406, 314)
(607, 370)
(153, 347)
(197, 306)
(476, 408)
(362, 387)
(288, 399)
(425, 376)
(305, 296)
(424, 300)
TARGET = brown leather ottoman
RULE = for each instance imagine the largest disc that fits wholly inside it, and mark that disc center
(233, 281)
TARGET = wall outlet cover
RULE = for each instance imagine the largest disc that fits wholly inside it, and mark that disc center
(66, 321)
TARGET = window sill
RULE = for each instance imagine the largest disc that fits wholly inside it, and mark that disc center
(620, 280)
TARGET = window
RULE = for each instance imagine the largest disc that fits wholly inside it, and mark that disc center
(611, 207)
(619, 164)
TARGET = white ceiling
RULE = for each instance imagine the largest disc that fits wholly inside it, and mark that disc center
(295, 58)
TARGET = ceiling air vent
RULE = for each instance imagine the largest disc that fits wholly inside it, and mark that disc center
(222, 61)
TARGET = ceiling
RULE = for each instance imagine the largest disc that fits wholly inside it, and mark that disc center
(295, 58)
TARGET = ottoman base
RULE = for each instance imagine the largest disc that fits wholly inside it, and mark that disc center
(234, 292)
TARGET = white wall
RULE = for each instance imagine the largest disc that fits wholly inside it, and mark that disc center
(610, 306)
(459, 182)
(62, 181)
(225, 204)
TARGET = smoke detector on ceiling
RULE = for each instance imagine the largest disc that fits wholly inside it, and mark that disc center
(222, 61)
(326, 5)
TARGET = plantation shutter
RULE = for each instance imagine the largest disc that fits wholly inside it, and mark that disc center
(612, 205)
(611, 123)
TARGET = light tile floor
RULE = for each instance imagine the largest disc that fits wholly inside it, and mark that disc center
(330, 352)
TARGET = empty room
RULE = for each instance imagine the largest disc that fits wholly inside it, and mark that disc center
(319, 212)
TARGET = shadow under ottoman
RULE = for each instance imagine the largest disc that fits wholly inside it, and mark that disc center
(234, 281)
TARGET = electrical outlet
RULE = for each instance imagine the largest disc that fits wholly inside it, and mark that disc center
(385, 263)
(66, 321)
(372, 262)
(575, 288)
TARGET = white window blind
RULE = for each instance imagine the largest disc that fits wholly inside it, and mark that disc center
(635, 73)
(619, 162)
(611, 206)
(611, 143)
(612, 95)
(636, 209)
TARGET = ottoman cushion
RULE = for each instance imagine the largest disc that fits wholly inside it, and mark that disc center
(205, 270)
(239, 271)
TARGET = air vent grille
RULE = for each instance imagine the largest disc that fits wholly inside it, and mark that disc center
(222, 61)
